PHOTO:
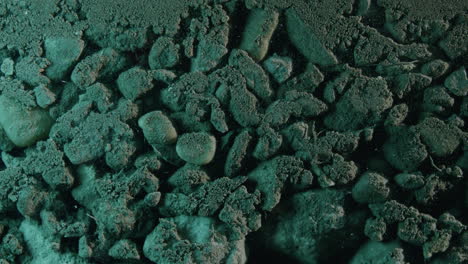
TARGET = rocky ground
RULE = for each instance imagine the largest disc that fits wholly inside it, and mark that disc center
(233, 131)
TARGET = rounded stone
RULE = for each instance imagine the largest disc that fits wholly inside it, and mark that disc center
(24, 127)
(164, 54)
(157, 128)
(196, 148)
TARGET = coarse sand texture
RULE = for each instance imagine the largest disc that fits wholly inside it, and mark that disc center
(233, 131)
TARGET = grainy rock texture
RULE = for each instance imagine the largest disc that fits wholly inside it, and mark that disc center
(233, 131)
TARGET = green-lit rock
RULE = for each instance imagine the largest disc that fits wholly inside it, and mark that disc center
(157, 128)
(134, 83)
(23, 126)
(62, 52)
(163, 54)
(371, 188)
(457, 82)
(258, 32)
(196, 148)
(306, 41)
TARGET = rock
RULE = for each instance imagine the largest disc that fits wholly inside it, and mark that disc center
(303, 37)
(134, 83)
(157, 128)
(24, 127)
(371, 188)
(258, 31)
(457, 82)
(62, 52)
(279, 67)
(197, 148)
(44, 96)
(164, 54)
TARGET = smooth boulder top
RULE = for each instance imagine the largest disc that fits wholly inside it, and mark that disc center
(157, 128)
(197, 148)
(62, 52)
(24, 127)
(134, 82)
